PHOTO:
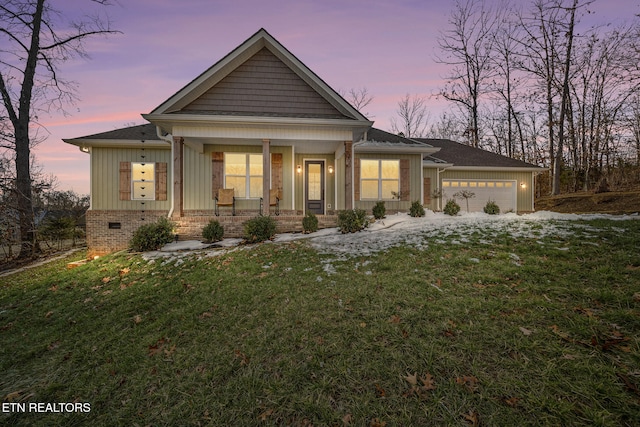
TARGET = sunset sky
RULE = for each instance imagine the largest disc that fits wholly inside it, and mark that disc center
(386, 46)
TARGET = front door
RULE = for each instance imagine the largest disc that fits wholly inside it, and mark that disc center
(314, 186)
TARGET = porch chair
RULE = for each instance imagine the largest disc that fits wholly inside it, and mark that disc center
(225, 197)
(274, 200)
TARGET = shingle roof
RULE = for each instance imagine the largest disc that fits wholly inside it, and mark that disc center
(464, 155)
(139, 132)
(376, 135)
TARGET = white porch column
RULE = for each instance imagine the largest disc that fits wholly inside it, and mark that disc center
(266, 176)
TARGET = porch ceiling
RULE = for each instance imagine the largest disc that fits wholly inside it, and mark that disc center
(300, 146)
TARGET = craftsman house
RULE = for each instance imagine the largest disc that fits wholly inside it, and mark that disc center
(260, 133)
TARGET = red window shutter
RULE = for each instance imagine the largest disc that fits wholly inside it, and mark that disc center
(217, 172)
(405, 180)
(356, 179)
(161, 181)
(125, 180)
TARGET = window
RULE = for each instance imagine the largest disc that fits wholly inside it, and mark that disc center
(143, 181)
(243, 173)
(379, 179)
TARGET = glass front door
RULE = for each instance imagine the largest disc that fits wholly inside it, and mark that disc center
(314, 186)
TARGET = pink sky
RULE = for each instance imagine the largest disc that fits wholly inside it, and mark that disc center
(383, 45)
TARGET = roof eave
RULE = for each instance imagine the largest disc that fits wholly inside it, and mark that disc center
(500, 168)
(405, 149)
(206, 119)
(114, 143)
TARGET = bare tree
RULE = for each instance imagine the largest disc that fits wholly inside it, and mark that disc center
(359, 98)
(467, 48)
(412, 117)
(35, 40)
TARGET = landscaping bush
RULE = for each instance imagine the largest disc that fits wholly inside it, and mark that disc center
(57, 230)
(310, 223)
(259, 229)
(451, 208)
(212, 232)
(491, 208)
(151, 237)
(416, 209)
(379, 210)
(352, 221)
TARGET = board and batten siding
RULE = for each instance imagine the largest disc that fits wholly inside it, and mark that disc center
(105, 177)
(524, 195)
(198, 169)
(415, 182)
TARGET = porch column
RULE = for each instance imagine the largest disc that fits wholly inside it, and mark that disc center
(348, 175)
(266, 176)
(178, 177)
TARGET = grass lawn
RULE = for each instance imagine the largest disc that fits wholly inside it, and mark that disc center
(481, 329)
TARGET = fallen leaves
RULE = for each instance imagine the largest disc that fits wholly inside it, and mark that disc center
(472, 418)
(614, 340)
(469, 382)
(380, 391)
(525, 331)
(419, 386)
(161, 347)
(376, 422)
(244, 360)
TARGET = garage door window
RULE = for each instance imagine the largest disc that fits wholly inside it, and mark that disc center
(502, 192)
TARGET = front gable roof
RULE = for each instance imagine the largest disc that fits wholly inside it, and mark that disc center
(259, 78)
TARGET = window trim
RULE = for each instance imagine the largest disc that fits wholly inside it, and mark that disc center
(151, 182)
(247, 176)
(380, 179)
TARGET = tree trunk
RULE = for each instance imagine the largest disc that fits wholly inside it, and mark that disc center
(23, 150)
(557, 167)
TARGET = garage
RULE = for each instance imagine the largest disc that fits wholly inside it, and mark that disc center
(502, 192)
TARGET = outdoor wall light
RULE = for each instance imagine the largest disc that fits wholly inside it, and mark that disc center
(84, 149)
(523, 185)
(330, 169)
(299, 169)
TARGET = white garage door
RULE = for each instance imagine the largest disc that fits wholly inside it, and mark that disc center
(503, 193)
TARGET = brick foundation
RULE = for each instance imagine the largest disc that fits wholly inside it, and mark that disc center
(104, 237)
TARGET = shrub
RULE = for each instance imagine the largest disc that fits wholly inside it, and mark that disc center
(212, 232)
(58, 229)
(491, 208)
(352, 221)
(259, 229)
(379, 210)
(310, 223)
(152, 236)
(416, 209)
(451, 208)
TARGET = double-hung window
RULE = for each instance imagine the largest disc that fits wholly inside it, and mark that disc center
(143, 181)
(379, 179)
(243, 172)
